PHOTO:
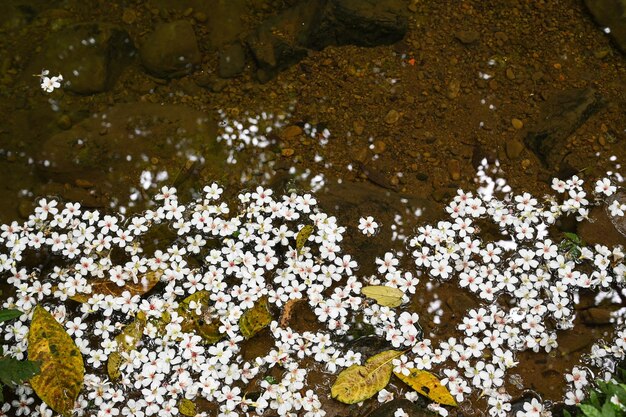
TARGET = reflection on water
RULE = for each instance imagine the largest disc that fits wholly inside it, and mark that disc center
(381, 108)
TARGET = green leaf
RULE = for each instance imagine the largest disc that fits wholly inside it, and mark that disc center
(9, 314)
(14, 372)
(593, 398)
(385, 296)
(590, 410)
(621, 393)
(360, 382)
(574, 238)
(607, 409)
(566, 413)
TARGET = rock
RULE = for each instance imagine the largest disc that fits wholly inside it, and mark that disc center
(355, 198)
(232, 60)
(454, 169)
(611, 14)
(596, 316)
(389, 409)
(517, 123)
(562, 114)
(90, 56)
(443, 194)
(286, 38)
(360, 23)
(64, 122)
(467, 37)
(171, 50)
(481, 154)
(574, 340)
(367, 344)
(379, 147)
(510, 74)
(601, 229)
(513, 148)
(358, 126)
(454, 88)
(460, 303)
(392, 117)
(280, 41)
(290, 132)
(129, 16)
(109, 152)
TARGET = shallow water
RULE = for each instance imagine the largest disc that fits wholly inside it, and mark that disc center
(374, 125)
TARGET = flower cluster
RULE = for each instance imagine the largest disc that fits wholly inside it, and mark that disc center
(240, 256)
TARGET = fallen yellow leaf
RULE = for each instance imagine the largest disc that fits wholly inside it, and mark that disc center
(385, 296)
(255, 319)
(303, 236)
(62, 369)
(360, 382)
(428, 385)
(204, 324)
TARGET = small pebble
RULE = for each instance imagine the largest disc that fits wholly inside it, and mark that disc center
(129, 16)
(287, 152)
(392, 117)
(200, 17)
(379, 147)
(467, 37)
(64, 122)
(291, 132)
(358, 127)
(83, 183)
(514, 148)
(454, 169)
(510, 74)
(517, 123)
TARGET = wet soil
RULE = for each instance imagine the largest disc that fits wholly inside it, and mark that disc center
(409, 122)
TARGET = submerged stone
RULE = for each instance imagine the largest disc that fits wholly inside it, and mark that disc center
(171, 50)
(561, 115)
(611, 14)
(114, 149)
(90, 56)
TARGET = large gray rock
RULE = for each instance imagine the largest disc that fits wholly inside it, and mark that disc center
(611, 14)
(90, 56)
(171, 50)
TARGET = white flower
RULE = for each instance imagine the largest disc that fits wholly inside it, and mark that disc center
(367, 225)
(605, 187)
(48, 84)
(617, 209)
